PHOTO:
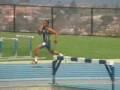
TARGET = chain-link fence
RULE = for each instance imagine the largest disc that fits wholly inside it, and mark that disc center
(6, 18)
(67, 20)
(72, 20)
(106, 22)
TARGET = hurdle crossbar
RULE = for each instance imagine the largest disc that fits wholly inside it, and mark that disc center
(69, 59)
(25, 36)
(2, 38)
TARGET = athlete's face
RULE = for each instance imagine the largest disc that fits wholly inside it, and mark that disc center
(45, 23)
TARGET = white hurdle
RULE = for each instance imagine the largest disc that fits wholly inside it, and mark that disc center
(29, 42)
(109, 65)
(70, 59)
(25, 36)
(2, 38)
(15, 45)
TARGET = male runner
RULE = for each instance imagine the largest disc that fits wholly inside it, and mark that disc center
(46, 31)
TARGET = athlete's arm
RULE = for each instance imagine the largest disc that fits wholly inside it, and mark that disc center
(39, 31)
(53, 32)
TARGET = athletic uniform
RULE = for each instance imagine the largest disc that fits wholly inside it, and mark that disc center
(46, 39)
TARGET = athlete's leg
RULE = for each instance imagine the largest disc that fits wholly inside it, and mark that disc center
(53, 52)
(37, 52)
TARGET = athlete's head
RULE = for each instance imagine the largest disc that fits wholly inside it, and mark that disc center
(45, 23)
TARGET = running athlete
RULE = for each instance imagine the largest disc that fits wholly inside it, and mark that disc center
(46, 31)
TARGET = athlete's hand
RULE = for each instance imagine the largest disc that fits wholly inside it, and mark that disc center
(39, 32)
(55, 41)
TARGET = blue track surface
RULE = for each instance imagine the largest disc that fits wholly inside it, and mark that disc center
(43, 73)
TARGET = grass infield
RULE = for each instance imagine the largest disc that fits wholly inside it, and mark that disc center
(77, 46)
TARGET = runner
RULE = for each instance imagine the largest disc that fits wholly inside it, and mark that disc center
(46, 31)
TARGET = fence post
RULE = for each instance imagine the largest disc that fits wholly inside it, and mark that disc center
(14, 18)
(91, 33)
(52, 17)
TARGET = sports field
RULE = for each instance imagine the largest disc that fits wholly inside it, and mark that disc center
(69, 74)
(82, 46)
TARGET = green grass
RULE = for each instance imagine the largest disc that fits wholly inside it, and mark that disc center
(82, 46)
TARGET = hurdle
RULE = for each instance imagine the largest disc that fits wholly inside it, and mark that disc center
(29, 42)
(109, 65)
(15, 46)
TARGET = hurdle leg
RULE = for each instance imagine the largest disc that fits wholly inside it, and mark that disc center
(113, 77)
(30, 47)
(55, 66)
(1, 47)
(15, 47)
(111, 71)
